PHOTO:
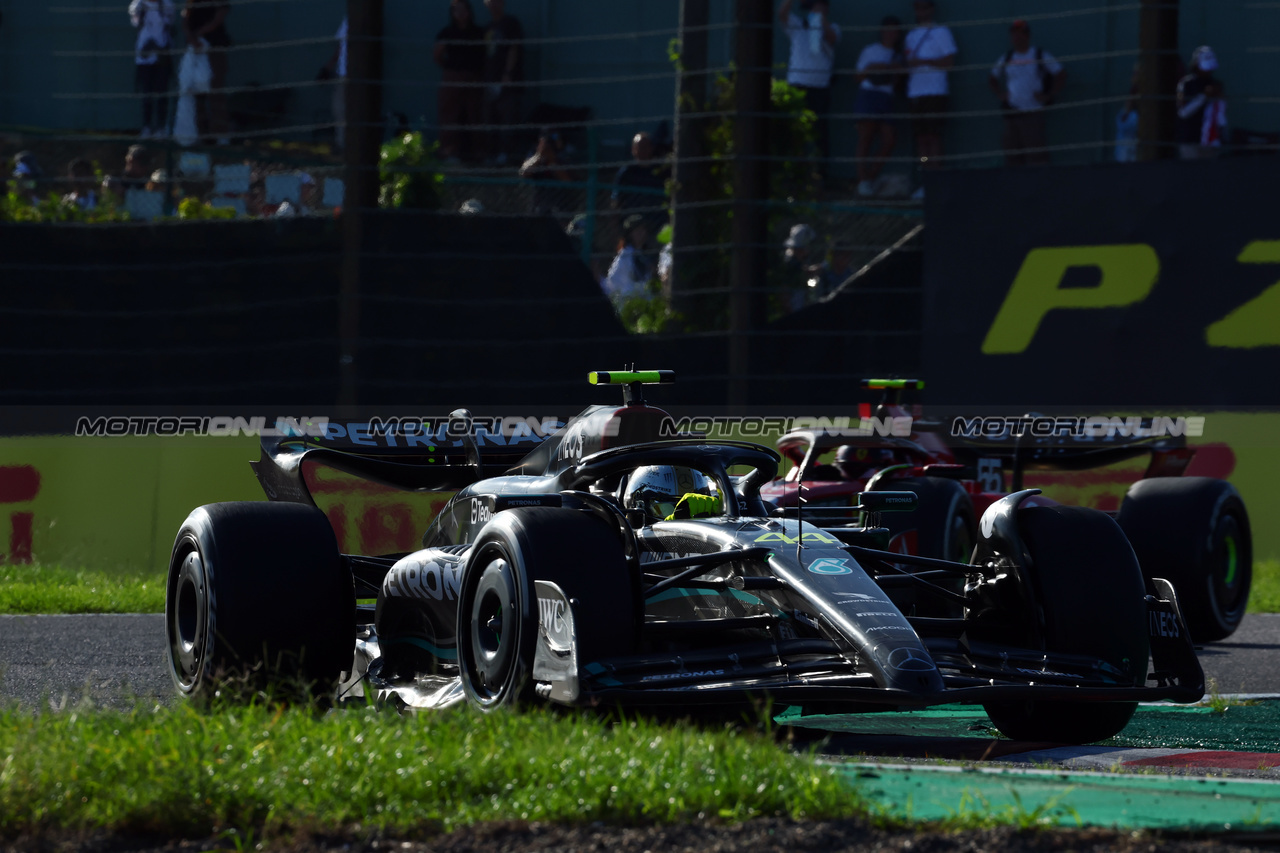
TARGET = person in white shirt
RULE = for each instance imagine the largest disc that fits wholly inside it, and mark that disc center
(931, 52)
(153, 19)
(631, 270)
(880, 69)
(1025, 79)
(813, 40)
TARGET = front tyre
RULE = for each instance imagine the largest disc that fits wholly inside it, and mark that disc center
(1087, 582)
(498, 608)
(257, 596)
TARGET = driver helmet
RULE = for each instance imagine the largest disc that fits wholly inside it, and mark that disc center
(656, 489)
(853, 461)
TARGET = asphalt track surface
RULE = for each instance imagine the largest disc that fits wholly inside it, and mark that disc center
(119, 660)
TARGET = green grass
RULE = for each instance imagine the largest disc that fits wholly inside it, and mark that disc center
(55, 589)
(266, 771)
(1264, 597)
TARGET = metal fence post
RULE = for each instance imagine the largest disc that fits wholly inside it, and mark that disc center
(593, 180)
(751, 106)
(363, 146)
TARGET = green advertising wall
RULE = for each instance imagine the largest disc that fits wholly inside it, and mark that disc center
(117, 502)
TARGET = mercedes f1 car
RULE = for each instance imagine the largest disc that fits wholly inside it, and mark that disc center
(1191, 530)
(583, 574)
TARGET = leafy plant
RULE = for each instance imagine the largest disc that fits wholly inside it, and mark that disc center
(647, 313)
(194, 208)
(409, 172)
(18, 207)
(977, 812)
(1218, 703)
(792, 144)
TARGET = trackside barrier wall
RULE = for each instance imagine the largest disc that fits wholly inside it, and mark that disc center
(454, 310)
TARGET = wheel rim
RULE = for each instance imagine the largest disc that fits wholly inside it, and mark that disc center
(493, 629)
(187, 619)
(1230, 573)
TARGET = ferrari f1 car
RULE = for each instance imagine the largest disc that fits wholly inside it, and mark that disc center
(583, 575)
(1193, 531)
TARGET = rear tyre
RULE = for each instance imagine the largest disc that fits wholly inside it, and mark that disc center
(258, 597)
(1194, 532)
(498, 610)
(1086, 579)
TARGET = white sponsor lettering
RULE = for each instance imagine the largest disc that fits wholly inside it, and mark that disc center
(672, 676)
(571, 446)
(480, 512)
(551, 612)
(1164, 625)
(427, 580)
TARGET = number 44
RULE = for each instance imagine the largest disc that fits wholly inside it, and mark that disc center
(1128, 274)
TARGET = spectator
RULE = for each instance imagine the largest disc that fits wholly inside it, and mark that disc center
(830, 275)
(879, 68)
(26, 176)
(503, 74)
(931, 51)
(205, 24)
(460, 53)
(308, 199)
(152, 61)
(801, 256)
(1202, 109)
(84, 194)
(813, 53)
(137, 169)
(543, 167)
(1127, 125)
(336, 69)
(641, 174)
(631, 269)
(1025, 79)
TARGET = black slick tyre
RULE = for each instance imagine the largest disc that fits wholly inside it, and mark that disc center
(498, 610)
(1086, 581)
(258, 597)
(1194, 532)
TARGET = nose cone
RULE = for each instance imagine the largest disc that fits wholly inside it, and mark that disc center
(908, 666)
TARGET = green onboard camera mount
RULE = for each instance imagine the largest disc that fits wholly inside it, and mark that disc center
(633, 381)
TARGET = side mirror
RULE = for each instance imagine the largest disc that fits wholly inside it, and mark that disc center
(888, 501)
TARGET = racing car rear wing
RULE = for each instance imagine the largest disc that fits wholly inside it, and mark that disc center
(280, 468)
